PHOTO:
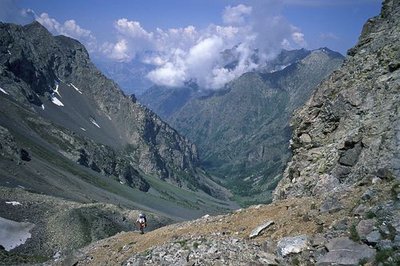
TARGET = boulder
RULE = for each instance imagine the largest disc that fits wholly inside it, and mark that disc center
(291, 245)
(364, 227)
(330, 205)
(343, 251)
(373, 237)
(257, 231)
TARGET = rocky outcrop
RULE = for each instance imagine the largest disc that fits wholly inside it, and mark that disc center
(350, 128)
(8, 146)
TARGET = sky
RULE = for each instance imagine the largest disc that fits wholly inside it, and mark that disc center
(183, 39)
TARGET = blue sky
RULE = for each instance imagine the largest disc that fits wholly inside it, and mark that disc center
(183, 38)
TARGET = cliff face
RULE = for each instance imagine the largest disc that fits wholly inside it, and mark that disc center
(350, 128)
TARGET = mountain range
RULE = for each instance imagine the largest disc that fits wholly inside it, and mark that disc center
(79, 159)
(242, 130)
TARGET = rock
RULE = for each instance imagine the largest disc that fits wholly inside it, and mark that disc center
(384, 244)
(373, 237)
(396, 241)
(376, 180)
(291, 245)
(260, 228)
(327, 183)
(343, 251)
(360, 210)
(364, 227)
(305, 138)
(267, 258)
(368, 194)
(330, 205)
(318, 241)
(349, 157)
(340, 224)
(24, 155)
(384, 173)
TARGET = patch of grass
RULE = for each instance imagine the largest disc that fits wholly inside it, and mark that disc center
(382, 256)
(295, 261)
(370, 215)
(354, 234)
(363, 261)
(146, 252)
(395, 190)
(183, 243)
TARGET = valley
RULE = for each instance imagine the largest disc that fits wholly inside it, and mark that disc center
(294, 162)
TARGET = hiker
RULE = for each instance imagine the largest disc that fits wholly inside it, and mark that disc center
(141, 222)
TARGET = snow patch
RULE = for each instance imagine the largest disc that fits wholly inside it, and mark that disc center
(3, 91)
(56, 90)
(280, 67)
(83, 129)
(94, 122)
(13, 234)
(56, 101)
(42, 106)
(73, 86)
(13, 203)
(8, 51)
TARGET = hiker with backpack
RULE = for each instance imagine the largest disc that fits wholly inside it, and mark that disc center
(141, 222)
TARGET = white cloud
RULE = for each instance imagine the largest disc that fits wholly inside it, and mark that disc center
(298, 38)
(189, 53)
(118, 51)
(132, 29)
(236, 15)
(69, 28)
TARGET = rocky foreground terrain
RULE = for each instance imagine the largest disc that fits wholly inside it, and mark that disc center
(339, 201)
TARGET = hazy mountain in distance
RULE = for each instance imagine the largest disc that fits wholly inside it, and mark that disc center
(130, 76)
(242, 131)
